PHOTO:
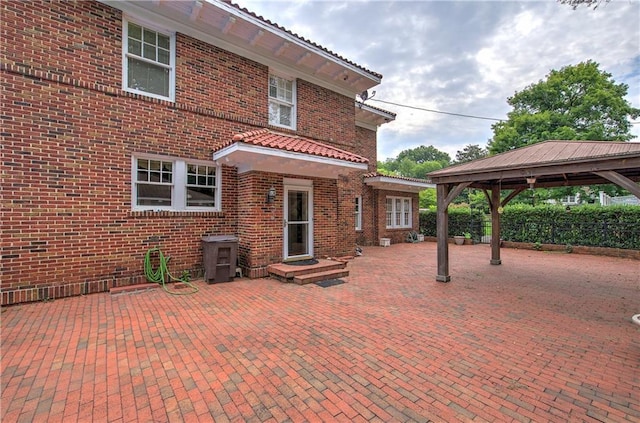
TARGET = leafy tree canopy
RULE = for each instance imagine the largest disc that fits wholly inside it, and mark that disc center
(470, 152)
(424, 154)
(428, 199)
(415, 163)
(578, 102)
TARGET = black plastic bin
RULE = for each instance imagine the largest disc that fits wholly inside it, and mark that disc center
(219, 256)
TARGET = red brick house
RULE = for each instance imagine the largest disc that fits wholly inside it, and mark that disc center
(132, 125)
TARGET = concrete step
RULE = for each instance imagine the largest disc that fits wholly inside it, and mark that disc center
(320, 276)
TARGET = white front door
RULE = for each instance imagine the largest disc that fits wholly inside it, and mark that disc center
(298, 221)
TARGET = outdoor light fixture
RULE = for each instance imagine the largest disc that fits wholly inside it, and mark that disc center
(531, 181)
(271, 195)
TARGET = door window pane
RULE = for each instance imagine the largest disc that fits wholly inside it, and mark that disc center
(298, 239)
(297, 210)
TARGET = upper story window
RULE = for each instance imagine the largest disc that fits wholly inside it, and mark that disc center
(166, 183)
(399, 212)
(148, 61)
(282, 102)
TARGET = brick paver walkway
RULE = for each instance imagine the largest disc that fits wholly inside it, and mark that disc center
(543, 337)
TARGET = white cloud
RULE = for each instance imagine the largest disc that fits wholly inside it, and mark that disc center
(462, 57)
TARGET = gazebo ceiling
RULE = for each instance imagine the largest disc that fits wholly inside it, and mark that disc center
(551, 163)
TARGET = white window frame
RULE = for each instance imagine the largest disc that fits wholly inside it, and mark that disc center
(178, 184)
(399, 212)
(358, 212)
(126, 55)
(282, 101)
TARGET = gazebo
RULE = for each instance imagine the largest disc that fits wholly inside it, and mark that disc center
(541, 165)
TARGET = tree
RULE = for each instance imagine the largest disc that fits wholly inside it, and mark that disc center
(428, 198)
(577, 102)
(469, 153)
(415, 163)
(423, 154)
(588, 3)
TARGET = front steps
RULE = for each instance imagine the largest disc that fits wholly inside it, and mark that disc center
(322, 271)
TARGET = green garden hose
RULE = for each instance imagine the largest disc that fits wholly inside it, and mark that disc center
(162, 273)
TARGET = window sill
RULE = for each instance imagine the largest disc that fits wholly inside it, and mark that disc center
(174, 213)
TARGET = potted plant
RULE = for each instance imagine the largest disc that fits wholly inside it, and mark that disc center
(458, 239)
(467, 238)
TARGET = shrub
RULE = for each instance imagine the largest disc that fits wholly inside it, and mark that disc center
(586, 225)
(462, 221)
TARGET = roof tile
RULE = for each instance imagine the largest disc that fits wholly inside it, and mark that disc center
(267, 138)
(275, 25)
(402, 178)
(552, 152)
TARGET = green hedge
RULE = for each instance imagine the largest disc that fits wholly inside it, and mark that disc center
(586, 225)
(461, 220)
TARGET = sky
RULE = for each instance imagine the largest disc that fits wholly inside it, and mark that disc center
(463, 57)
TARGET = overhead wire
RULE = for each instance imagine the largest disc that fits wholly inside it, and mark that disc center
(437, 111)
(448, 113)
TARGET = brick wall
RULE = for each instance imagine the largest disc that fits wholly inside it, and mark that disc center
(366, 145)
(69, 133)
(326, 115)
(260, 223)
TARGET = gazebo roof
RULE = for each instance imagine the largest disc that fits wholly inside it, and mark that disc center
(552, 163)
(546, 164)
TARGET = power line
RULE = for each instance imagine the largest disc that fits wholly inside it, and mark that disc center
(448, 113)
(436, 111)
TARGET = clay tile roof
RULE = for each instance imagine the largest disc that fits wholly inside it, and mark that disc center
(275, 25)
(270, 139)
(402, 178)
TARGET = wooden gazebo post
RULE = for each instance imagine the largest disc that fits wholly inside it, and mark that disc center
(445, 196)
(442, 233)
(495, 224)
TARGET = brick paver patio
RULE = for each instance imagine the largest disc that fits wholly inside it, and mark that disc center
(542, 337)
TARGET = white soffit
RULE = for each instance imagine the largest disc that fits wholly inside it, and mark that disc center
(397, 184)
(249, 158)
(371, 117)
(234, 30)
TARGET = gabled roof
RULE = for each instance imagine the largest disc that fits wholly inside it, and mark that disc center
(269, 151)
(545, 153)
(226, 25)
(281, 28)
(371, 117)
(396, 183)
(267, 138)
(552, 163)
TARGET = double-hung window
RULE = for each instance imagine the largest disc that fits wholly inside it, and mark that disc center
(148, 61)
(398, 212)
(282, 102)
(358, 203)
(166, 183)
